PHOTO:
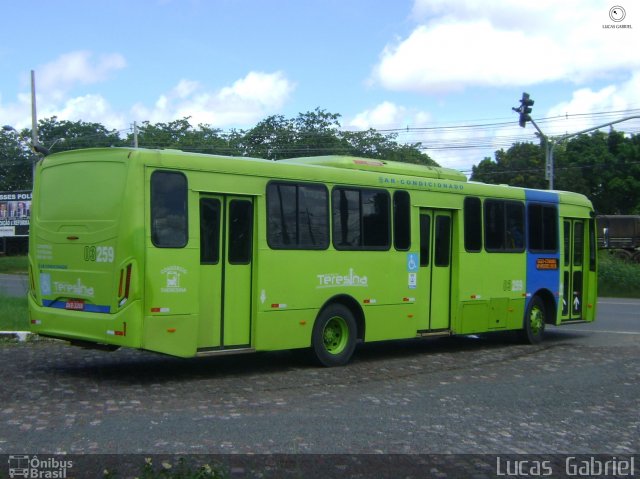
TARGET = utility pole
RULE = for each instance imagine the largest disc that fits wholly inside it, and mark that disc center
(135, 134)
(559, 139)
(550, 142)
(34, 116)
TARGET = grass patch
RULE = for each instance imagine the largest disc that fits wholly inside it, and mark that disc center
(181, 470)
(13, 264)
(13, 314)
(617, 278)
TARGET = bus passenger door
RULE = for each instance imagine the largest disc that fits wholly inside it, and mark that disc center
(226, 257)
(435, 269)
(573, 269)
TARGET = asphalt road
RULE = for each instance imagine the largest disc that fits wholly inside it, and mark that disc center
(579, 392)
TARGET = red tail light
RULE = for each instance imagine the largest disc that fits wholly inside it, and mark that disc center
(128, 283)
(124, 284)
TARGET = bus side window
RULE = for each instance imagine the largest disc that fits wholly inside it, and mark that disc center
(169, 209)
(240, 231)
(209, 231)
(361, 219)
(376, 215)
(504, 226)
(472, 224)
(515, 226)
(425, 239)
(402, 220)
(298, 216)
(543, 228)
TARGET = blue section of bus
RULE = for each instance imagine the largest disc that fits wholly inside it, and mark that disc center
(537, 277)
(90, 308)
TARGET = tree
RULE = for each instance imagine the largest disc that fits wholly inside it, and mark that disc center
(180, 135)
(71, 135)
(603, 166)
(318, 133)
(606, 168)
(274, 138)
(15, 161)
(521, 165)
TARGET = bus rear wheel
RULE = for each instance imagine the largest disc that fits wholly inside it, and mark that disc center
(334, 336)
(534, 321)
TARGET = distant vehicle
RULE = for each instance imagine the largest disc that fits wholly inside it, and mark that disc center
(621, 235)
(188, 254)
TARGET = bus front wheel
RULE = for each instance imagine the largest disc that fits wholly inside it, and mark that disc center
(534, 321)
(334, 336)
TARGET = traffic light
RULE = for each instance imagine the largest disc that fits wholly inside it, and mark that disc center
(524, 109)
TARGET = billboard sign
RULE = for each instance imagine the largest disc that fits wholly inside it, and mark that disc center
(15, 213)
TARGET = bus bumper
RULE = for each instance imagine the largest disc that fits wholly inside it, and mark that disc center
(118, 329)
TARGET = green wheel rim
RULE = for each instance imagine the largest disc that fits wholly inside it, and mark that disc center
(536, 320)
(335, 335)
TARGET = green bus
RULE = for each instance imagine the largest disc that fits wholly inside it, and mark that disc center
(189, 254)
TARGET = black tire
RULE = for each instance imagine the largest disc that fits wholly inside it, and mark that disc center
(534, 321)
(334, 336)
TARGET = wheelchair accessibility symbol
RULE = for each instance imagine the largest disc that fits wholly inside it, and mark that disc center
(412, 262)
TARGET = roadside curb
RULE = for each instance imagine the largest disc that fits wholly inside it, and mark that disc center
(21, 336)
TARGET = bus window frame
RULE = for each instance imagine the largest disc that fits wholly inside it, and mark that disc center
(405, 226)
(327, 211)
(505, 228)
(361, 246)
(152, 206)
(466, 221)
(556, 218)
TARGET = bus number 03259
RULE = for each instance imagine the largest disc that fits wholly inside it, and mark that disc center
(99, 254)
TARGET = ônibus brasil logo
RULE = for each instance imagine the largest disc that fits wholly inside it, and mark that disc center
(36, 468)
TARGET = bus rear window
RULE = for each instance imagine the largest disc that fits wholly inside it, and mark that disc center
(82, 191)
(169, 209)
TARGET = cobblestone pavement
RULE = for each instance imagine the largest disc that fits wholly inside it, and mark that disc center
(574, 394)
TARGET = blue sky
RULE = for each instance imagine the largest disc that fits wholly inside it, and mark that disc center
(431, 64)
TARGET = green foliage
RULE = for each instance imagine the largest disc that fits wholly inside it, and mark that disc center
(180, 135)
(313, 133)
(603, 166)
(318, 133)
(520, 165)
(13, 264)
(16, 161)
(58, 135)
(13, 314)
(617, 278)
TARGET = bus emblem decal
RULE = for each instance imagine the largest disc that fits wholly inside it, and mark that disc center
(172, 277)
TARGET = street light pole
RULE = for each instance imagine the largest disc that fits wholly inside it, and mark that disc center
(34, 116)
(554, 140)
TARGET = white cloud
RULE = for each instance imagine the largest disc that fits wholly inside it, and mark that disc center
(247, 100)
(242, 103)
(584, 101)
(76, 68)
(89, 108)
(54, 83)
(506, 43)
(389, 115)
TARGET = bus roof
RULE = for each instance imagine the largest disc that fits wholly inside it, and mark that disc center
(380, 166)
(335, 168)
